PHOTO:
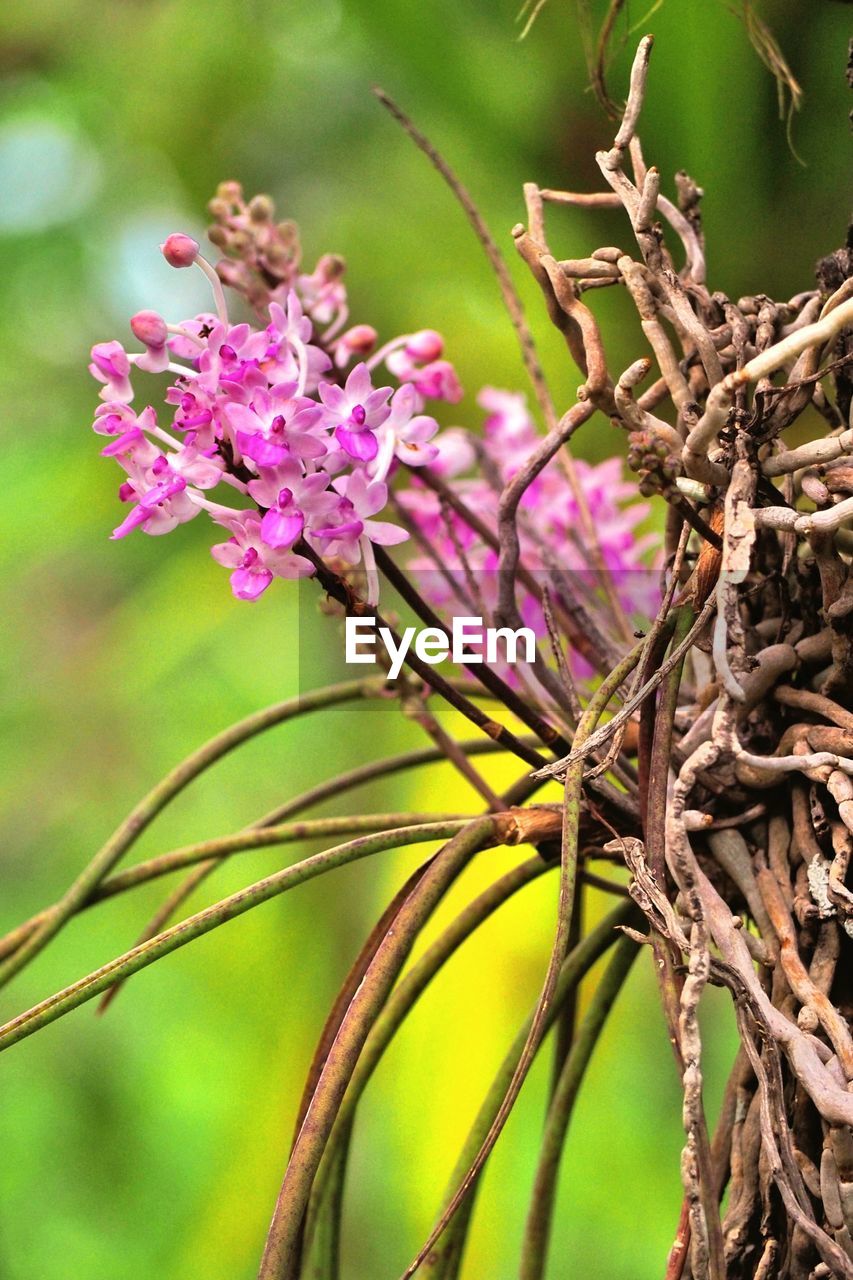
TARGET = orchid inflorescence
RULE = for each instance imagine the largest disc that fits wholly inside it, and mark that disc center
(294, 415)
(276, 412)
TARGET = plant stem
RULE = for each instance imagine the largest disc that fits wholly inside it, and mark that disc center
(223, 846)
(405, 996)
(541, 1211)
(195, 926)
(444, 1261)
(568, 870)
(165, 791)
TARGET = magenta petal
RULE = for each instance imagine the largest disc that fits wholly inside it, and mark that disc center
(121, 444)
(261, 450)
(248, 584)
(358, 444)
(352, 529)
(385, 534)
(333, 397)
(281, 531)
(358, 383)
(417, 455)
(240, 417)
(305, 419)
(162, 492)
(136, 517)
(227, 553)
(421, 429)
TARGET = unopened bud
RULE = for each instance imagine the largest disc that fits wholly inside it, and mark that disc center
(279, 257)
(427, 345)
(330, 266)
(261, 209)
(230, 191)
(149, 328)
(360, 338)
(233, 274)
(179, 250)
(239, 243)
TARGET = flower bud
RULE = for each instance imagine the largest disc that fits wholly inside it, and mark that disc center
(261, 209)
(361, 338)
(149, 328)
(427, 345)
(233, 274)
(279, 257)
(438, 381)
(179, 250)
(288, 234)
(330, 266)
(230, 191)
(239, 243)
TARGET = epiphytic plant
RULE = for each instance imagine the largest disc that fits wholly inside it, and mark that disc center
(712, 751)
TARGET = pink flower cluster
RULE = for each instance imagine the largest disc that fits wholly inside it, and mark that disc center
(457, 571)
(288, 415)
(286, 432)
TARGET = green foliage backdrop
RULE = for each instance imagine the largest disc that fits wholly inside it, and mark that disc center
(158, 1135)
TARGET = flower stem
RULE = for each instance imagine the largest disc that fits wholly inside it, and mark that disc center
(568, 871)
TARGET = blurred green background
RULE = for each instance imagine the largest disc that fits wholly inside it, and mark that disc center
(151, 1143)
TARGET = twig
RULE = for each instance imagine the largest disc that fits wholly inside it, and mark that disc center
(511, 300)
